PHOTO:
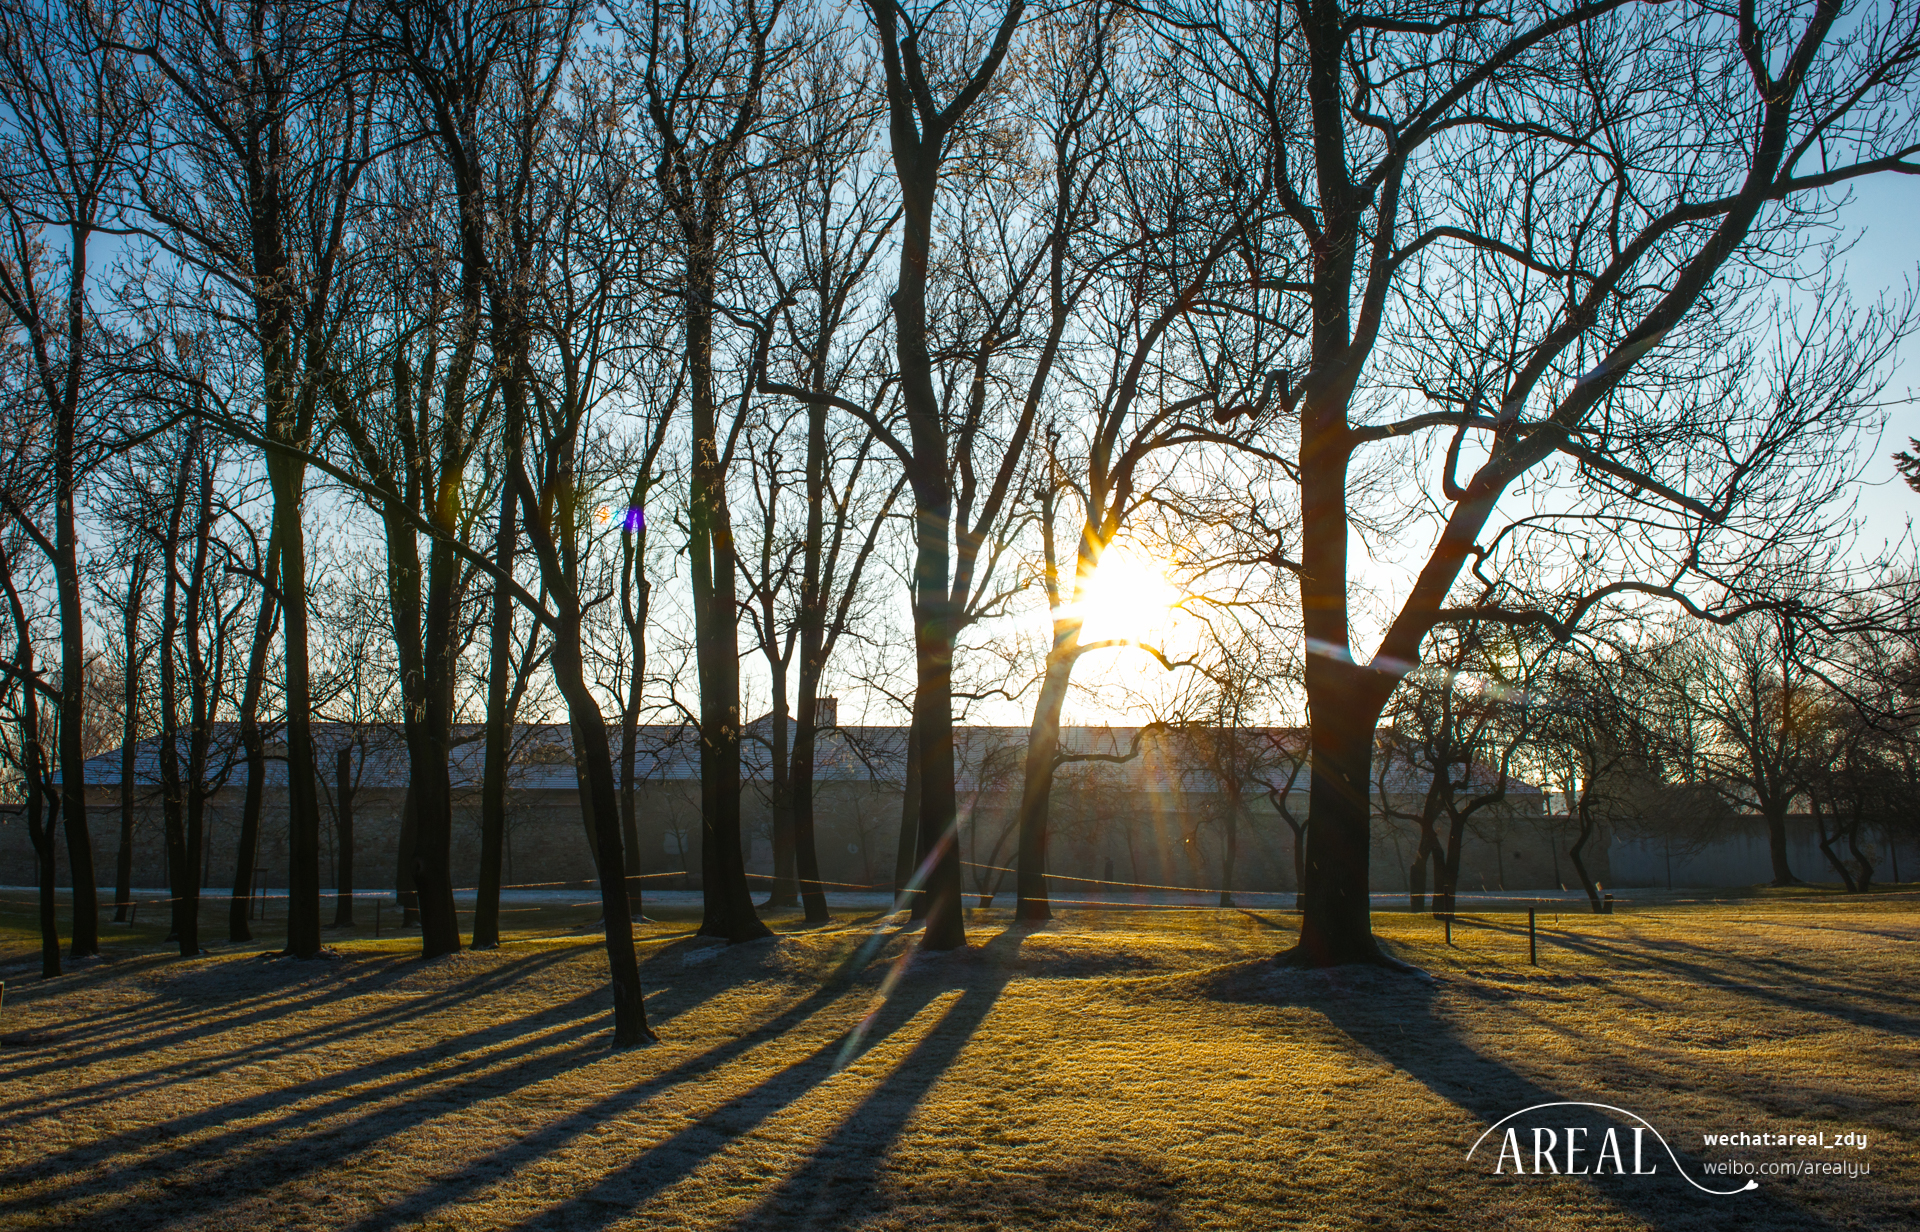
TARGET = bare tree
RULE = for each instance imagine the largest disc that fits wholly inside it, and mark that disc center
(71, 103)
(937, 68)
(1556, 225)
(251, 158)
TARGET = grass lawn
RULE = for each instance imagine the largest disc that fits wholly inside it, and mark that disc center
(1116, 1069)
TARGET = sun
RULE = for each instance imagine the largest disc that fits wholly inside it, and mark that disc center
(1128, 598)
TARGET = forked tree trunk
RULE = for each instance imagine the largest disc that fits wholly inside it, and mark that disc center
(1417, 877)
(1826, 846)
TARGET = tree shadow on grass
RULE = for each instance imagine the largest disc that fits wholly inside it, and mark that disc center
(1395, 1016)
(1818, 988)
(975, 973)
(315, 1127)
(275, 1004)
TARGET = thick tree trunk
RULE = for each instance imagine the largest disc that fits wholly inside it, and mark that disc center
(1775, 814)
(1036, 788)
(938, 843)
(343, 838)
(1336, 925)
(303, 807)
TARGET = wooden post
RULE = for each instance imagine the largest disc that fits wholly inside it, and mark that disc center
(1533, 942)
(1449, 922)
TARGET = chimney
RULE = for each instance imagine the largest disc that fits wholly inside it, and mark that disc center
(826, 713)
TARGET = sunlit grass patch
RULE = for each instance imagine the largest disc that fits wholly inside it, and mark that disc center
(1116, 1068)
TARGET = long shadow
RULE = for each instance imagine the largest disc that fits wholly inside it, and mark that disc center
(500, 1069)
(660, 1166)
(346, 989)
(480, 1078)
(839, 1183)
(1394, 1016)
(1815, 989)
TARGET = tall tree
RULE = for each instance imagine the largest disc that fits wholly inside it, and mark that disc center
(251, 157)
(71, 101)
(937, 68)
(1547, 223)
(707, 89)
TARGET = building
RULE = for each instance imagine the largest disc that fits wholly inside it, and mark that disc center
(1161, 818)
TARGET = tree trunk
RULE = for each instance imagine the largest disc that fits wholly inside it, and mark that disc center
(786, 890)
(727, 901)
(1449, 889)
(40, 834)
(493, 776)
(1579, 864)
(938, 845)
(343, 837)
(247, 853)
(1336, 925)
(806, 856)
(1861, 862)
(1036, 788)
(303, 808)
(404, 864)
(906, 856)
(1826, 846)
(1775, 813)
(73, 650)
(129, 739)
(1230, 854)
(595, 756)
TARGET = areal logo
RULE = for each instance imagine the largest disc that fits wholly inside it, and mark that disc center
(1580, 1150)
